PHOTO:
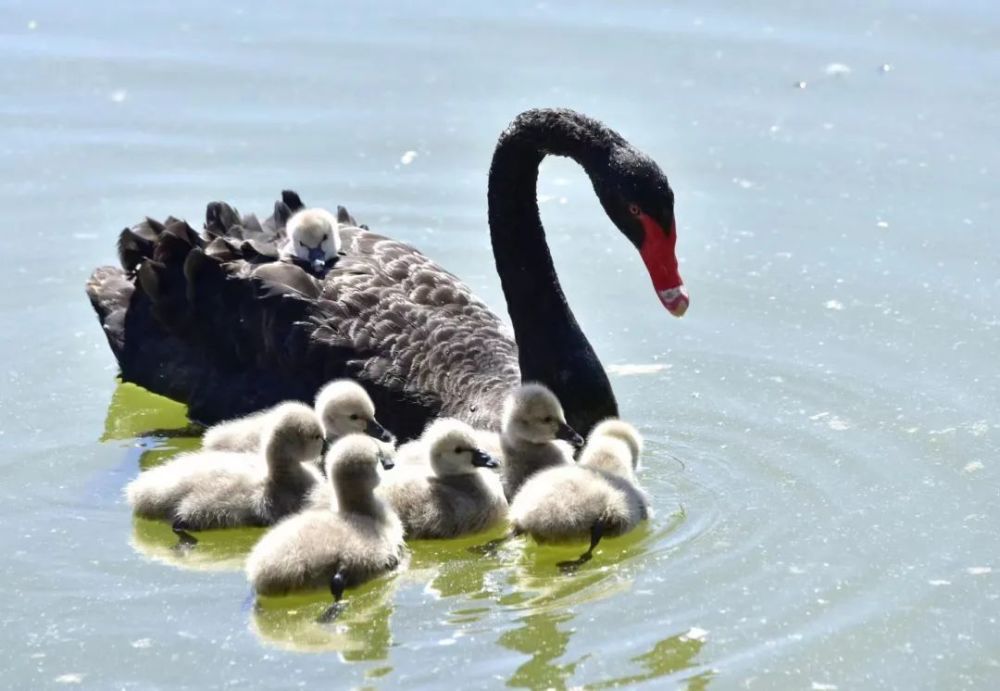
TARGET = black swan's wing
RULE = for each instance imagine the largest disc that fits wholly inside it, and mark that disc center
(414, 329)
(216, 323)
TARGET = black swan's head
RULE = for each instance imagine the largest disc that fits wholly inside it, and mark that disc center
(637, 197)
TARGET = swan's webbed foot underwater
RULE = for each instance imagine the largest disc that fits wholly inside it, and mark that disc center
(338, 582)
(492, 548)
(185, 540)
(596, 533)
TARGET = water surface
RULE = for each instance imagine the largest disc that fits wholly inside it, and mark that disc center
(822, 425)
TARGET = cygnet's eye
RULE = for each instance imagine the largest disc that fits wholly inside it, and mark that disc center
(355, 416)
(326, 236)
(549, 420)
(634, 209)
(304, 246)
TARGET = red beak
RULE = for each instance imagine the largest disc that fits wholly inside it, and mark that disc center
(660, 256)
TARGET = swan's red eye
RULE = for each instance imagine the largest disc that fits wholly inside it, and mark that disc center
(634, 210)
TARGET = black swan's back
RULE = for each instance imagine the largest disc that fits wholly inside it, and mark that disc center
(215, 321)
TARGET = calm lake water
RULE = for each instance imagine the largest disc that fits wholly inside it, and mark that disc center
(823, 425)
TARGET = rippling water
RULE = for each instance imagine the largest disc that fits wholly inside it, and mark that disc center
(823, 424)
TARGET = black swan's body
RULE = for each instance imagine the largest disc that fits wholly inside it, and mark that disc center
(215, 321)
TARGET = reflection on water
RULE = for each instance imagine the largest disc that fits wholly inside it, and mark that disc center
(135, 412)
(549, 601)
(452, 568)
(157, 426)
(361, 632)
(667, 658)
(217, 550)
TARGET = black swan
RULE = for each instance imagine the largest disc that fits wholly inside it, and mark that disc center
(215, 322)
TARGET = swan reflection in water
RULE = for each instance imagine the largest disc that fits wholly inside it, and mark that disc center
(546, 602)
(361, 632)
(217, 550)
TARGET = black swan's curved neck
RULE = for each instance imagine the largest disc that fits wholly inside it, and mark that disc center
(552, 348)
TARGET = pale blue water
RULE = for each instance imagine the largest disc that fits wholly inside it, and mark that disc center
(830, 395)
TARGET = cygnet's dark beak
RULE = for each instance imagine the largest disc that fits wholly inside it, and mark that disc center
(567, 433)
(374, 429)
(317, 254)
(386, 460)
(481, 459)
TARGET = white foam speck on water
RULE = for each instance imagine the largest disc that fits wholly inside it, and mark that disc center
(973, 467)
(837, 69)
(142, 643)
(744, 183)
(835, 305)
(838, 424)
(408, 157)
(32, 25)
(979, 570)
(69, 679)
(796, 570)
(638, 368)
(979, 428)
(447, 641)
(118, 95)
(695, 633)
(821, 686)
(882, 224)
(938, 582)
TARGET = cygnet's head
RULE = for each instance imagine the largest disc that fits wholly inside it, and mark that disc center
(614, 446)
(623, 431)
(313, 237)
(345, 408)
(533, 414)
(352, 463)
(454, 449)
(295, 435)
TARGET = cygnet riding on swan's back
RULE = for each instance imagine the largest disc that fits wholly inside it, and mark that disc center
(598, 496)
(343, 406)
(228, 334)
(457, 498)
(333, 547)
(220, 489)
(533, 421)
(312, 237)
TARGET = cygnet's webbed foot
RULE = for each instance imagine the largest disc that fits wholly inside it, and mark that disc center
(185, 540)
(492, 548)
(596, 533)
(337, 585)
